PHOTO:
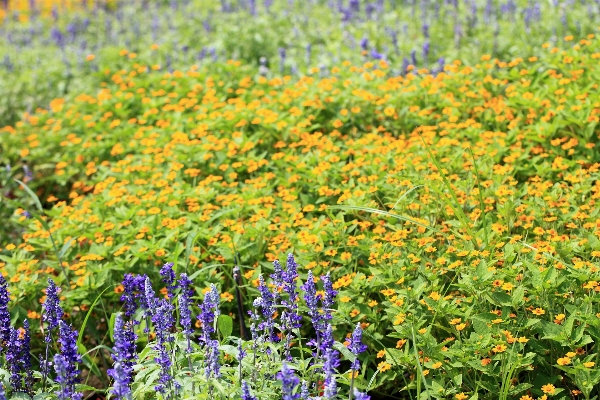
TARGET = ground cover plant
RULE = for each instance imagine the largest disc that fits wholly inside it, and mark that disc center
(56, 47)
(453, 211)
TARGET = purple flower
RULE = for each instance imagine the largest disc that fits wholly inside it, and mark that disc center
(241, 353)
(65, 363)
(331, 359)
(185, 318)
(185, 284)
(124, 350)
(2, 392)
(266, 305)
(304, 392)
(133, 286)
(168, 276)
(213, 368)
(289, 382)
(209, 312)
(162, 318)
(246, 395)
(289, 316)
(5, 328)
(356, 346)
(18, 359)
(312, 299)
(121, 389)
(361, 396)
(329, 299)
(52, 313)
(364, 43)
(277, 275)
(149, 303)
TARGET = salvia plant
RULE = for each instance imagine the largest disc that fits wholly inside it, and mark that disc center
(283, 358)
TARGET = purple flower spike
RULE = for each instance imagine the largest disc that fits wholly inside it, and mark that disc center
(53, 313)
(121, 389)
(246, 395)
(361, 396)
(329, 369)
(356, 346)
(168, 276)
(124, 356)
(2, 392)
(65, 363)
(289, 382)
(5, 328)
(209, 313)
(213, 368)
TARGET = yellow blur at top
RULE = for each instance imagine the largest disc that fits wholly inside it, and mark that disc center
(44, 7)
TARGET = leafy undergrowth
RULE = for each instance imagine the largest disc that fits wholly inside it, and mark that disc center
(456, 213)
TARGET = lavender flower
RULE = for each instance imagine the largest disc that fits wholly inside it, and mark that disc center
(124, 350)
(209, 312)
(266, 304)
(241, 353)
(329, 368)
(65, 363)
(185, 284)
(5, 328)
(18, 359)
(213, 368)
(53, 313)
(289, 382)
(2, 392)
(329, 299)
(162, 318)
(149, 303)
(361, 396)
(312, 299)
(356, 346)
(121, 389)
(304, 392)
(277, 276)
(132, 285)
(245, 392)
(169, 278)
(289, 317)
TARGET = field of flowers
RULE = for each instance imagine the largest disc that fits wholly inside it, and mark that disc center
(437, 219)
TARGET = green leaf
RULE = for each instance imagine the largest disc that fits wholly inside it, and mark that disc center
(344, 350)
(111, 326)
(87, 316)
(36, 199)
(501, 298)
(64, 249)
(225, 324)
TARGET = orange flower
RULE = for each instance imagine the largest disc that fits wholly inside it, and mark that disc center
(384, 366)
(499, 348)
(549, 388)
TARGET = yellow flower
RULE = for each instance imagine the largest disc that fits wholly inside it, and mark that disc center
(563, 361)
(461, 396)
(548, 389)
(436, 365)
(539, 311)
(384, 366)
(381, 354)
(400, 343)
(499, 348)
(589, 364)
(571, 354)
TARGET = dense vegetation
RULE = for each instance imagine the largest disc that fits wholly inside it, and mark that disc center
(453, 211)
